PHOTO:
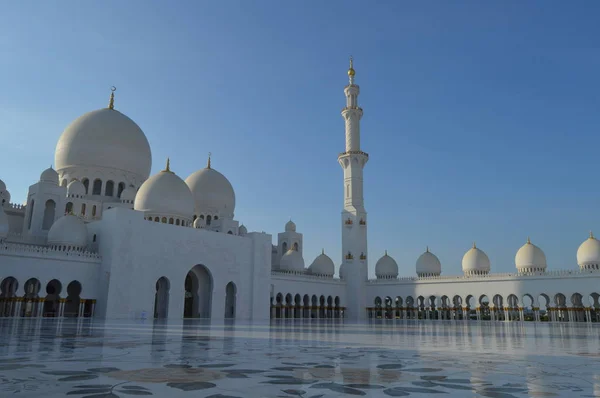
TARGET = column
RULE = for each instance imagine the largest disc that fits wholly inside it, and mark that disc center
(81, 308)
(521, 314)
(93, 308)
(478, 310)
(40, 311)
(61, 307)
(588, 315)
(18, 304)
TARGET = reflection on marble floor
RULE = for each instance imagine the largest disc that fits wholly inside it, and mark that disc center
(57, 358)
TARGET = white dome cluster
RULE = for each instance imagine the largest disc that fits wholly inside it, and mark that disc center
(475, 262)
(49, 176)
(530, 258)
(165, 198)
(428, 265)
(212, 193)
(386, 267)
(290, 226)
(588, 254)
(68, 233)
(322, 266)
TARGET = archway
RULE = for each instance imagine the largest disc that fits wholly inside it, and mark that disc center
(73, 299)
(49, 211)
(279, 305)
(314, 307)
(484, 308)
(457, 307)
(161, 298)
(528, 307)
(8, 290)
(288, 305)
(498, 302)
(230, 296)
(306, 306)
(30, 304)
(377, 303)
(52, 300)
(198, 293)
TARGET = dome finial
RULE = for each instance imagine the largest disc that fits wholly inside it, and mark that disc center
(386, 252)
(168, 168)
(323, 251)
(208, 163)
(351, 71)
(427, 250)
(528, 241)
(111, 102)
(591, 235)
(474, 245)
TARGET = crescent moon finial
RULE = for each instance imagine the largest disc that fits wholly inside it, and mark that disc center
(113, 88)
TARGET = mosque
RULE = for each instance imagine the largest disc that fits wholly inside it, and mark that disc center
(99, 237)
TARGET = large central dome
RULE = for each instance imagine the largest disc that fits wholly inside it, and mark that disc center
(105, 139)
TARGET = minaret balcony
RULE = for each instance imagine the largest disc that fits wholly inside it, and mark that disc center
(362, 222)
(348, 223)
(363, 257)
(353, 153)
(349, 257)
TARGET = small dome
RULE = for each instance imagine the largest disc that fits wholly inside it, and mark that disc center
(68, 230)
(75, 189)
(530, 258)
(199, 223)
(386, 267)
(128, 194)
(475, 262)
(104, 138)
(3, 224)
(212, 192)
(428, 264)
(292, 261)
(49, 175)
(323, 265)
(2, 186)
(588, 254)
(4, 197)
(341, 271)
(165, 195)
(242, 230)
(290, 226)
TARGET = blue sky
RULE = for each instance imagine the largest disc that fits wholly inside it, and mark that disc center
(481, 119)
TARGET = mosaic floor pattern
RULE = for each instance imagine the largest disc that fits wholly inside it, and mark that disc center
(58, 358)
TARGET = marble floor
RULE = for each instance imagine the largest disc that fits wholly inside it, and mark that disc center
(93, 359)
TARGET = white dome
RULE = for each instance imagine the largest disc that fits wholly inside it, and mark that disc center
(588, 254)
(386, 267)
(165, 195)
(341, 271)
(68, 230)
(290, 226)
(3, 224)
(428, 264)
(475, 262)
(128, 194)
(2, 186)
(292, 261)
(212, 192)
(104, 138)
(323, 265)
(242, 230)
(199, 223)
(49, 175)
(4, 197)
(75, 189)
(530, 258)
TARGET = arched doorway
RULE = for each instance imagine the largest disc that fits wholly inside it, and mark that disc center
(161, 298)
(73, 299)
(8, 290)
(198, 293)
(52, 300)
(230, 295)
(30, 304)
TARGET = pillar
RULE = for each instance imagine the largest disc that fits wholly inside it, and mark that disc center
(18, 304)
(93, 308)
(61, 308)
(40, 311)
(81, 308)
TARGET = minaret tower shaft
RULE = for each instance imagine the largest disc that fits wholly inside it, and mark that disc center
(354, 215)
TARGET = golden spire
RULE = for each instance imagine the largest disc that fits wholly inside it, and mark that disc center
(591, 235)
(111, 102)
(474, 245)
(168, 168)
(322, 251)
(386, 252)
(351, 71)
(208, 164)
(427, 250)
(528, 241)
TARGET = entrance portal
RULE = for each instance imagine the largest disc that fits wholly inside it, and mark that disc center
(230, 293)
(198, 293)
(161, 298)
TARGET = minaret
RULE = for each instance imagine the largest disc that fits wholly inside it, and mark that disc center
(354, 215)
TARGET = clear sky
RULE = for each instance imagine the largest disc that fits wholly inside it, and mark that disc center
(481, 118)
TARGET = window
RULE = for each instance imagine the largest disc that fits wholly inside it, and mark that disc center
(164, 220)
(94, 211)
(94, 238)
(110, 188)
(83, 209)
(177, 222)
(171, 221)
(202, 216)
(49, 211)
(208, 219)
(30, 213)
(156, 219)
(121, 189)
(97, 190)
(216, 217)
(69, 208)
(296, 244)
(86, 184)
